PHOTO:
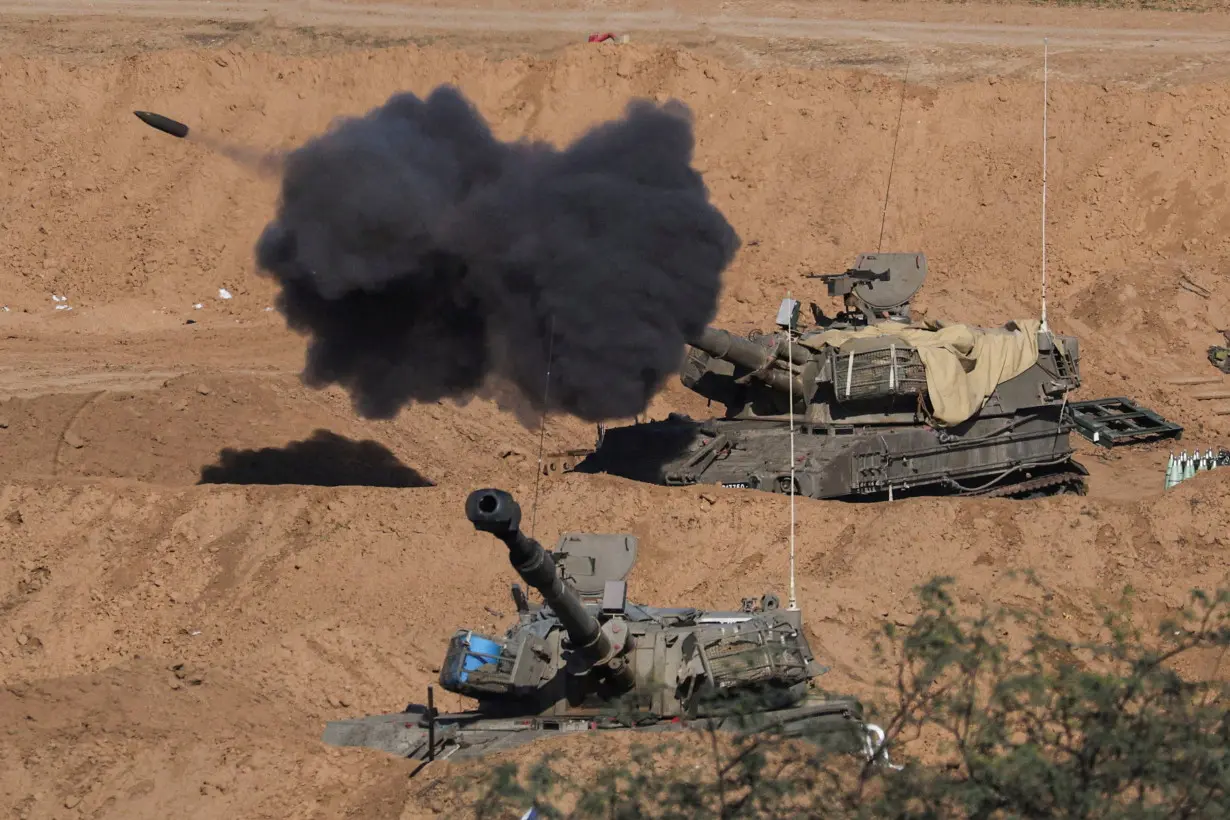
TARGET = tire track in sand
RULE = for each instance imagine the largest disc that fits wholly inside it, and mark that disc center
(1175, 40)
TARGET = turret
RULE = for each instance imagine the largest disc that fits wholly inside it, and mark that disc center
(496, 512)
(878, 288)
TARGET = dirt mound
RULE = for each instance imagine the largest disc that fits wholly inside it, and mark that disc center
(173, 646)
(102, 210)
(216, 629)
(146, 738)
(221, 429)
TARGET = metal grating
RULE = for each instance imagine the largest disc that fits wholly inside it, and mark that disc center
(1111, 422)
(873, 374)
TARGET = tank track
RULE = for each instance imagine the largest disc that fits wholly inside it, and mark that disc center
(1042, 482)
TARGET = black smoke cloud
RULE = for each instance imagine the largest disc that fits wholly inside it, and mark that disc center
(425, 259)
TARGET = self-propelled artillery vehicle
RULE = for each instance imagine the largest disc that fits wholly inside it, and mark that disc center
(879, 404)
(588, 659)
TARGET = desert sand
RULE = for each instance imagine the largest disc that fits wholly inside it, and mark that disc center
(185, 598)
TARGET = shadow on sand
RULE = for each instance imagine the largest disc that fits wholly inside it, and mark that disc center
(324, 460)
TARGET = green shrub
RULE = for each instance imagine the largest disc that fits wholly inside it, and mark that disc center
(1107, 728)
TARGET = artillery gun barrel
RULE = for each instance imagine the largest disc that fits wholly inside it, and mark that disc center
(723, 344)
(496, 512)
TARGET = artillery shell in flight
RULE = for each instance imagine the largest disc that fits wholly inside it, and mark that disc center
(170, 126)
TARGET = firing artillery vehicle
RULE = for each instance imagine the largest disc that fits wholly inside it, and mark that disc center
(588, 660)
(880, 405)
(1219, 356)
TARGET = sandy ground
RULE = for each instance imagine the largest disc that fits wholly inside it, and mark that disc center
(174, 630)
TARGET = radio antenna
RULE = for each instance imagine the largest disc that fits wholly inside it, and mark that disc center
(893, 162)
(793, 605)
(1045, 102)
(542, 424)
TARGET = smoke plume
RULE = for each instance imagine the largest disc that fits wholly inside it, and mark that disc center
(263, 162)
(425, 259)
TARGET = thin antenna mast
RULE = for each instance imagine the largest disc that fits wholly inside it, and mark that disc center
(893, 162)
(793, 604)
(542, 424)
(1045, 101)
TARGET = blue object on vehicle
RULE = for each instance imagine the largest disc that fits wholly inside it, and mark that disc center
(467, 652)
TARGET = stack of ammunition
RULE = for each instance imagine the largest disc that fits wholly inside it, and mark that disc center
(1185, 466)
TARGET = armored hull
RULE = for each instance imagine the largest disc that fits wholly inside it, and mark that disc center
(835, 723)
(1027, 457)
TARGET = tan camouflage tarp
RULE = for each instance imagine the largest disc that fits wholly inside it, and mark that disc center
(964, 364)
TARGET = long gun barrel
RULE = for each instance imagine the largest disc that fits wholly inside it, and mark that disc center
(496, 512)
(724, 345)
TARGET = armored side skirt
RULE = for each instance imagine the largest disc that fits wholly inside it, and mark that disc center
(836, 724)
(1024, 454)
